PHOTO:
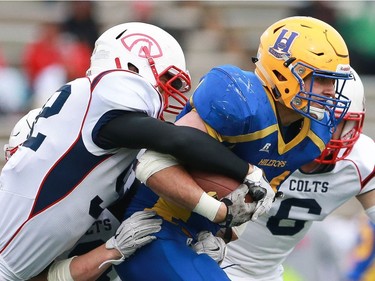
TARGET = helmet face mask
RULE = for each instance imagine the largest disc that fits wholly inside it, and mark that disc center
(9, 151)
(152, 51)
(350, 128)
(177, 84)
(295, 48)
(310, 104)
(172, 82)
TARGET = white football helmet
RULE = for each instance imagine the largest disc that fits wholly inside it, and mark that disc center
(20, 133)
(338, 149)
(157, 56)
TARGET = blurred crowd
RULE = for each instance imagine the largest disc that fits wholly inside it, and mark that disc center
(61, 51)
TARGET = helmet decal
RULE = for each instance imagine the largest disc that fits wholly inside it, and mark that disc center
(282, 45)
(139, 40)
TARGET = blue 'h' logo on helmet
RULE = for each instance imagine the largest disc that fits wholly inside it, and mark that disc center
(282, 45)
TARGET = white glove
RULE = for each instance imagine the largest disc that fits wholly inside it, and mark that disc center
(133, 233)
(211, 245)
(261, 192)
(238, 211)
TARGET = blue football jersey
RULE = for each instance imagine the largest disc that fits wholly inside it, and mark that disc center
(239, 112)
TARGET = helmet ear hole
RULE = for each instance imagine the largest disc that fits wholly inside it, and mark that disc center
(279, 76)
(276, 93)
(133, 68)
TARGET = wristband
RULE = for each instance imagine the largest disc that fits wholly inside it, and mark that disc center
(59, 270)
(109, 245)
(207, 206)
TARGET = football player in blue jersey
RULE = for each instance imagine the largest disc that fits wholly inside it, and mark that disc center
(278, 118)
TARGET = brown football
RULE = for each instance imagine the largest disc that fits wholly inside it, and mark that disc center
(216, 184)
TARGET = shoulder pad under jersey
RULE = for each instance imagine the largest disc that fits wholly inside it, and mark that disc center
(128, 91)
(227, 98)
(362, 155)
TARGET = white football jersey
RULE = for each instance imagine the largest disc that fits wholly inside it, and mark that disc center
(58, 183)
(260, 251)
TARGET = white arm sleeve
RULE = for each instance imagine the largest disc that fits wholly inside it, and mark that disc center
(60, 271)
(371, 213)
(151, 162)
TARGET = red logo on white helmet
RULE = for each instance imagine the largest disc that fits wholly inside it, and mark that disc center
(136, 41)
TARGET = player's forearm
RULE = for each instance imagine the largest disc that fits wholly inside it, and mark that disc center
(176, 185)
(80, 268)
(86, 267)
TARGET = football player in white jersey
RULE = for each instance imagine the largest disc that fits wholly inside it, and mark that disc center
(345, 169)
(103, 228)
(85, 140)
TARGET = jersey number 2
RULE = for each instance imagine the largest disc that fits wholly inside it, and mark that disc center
(48, 111)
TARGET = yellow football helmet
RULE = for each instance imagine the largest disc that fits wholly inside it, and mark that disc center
(295, 47)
